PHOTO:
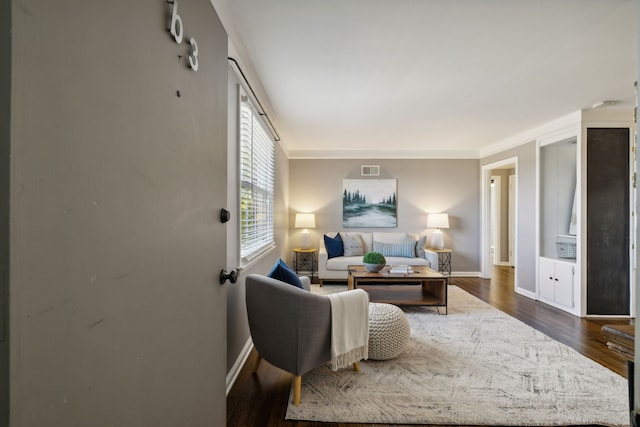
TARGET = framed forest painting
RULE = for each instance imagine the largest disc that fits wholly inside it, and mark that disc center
(369, 203)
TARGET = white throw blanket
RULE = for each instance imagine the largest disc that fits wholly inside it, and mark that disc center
(349, 328)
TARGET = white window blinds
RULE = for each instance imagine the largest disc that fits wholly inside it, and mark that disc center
(257, 160)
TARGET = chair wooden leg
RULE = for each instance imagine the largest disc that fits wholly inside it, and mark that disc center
(356, 366)
(297, 385)
(258, 360)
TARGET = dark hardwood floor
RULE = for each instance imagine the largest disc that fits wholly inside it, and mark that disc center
(261, 399)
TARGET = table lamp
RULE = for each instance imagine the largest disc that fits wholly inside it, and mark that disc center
(437, 221)
(305, 221)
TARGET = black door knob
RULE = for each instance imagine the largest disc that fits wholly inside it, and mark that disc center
(232, 276)
(225, 215)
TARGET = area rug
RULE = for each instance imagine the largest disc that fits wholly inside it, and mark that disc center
(474, 366)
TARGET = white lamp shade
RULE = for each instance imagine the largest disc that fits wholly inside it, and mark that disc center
(438, 220)
(305, 220)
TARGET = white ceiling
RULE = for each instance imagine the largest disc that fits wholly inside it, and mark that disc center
(428, 78)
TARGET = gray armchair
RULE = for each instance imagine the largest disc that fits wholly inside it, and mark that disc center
(290, 327)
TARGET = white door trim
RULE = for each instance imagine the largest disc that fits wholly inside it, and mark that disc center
(496, 225)
(485, 216)
(512, 219)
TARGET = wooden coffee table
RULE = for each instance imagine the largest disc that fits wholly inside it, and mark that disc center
(422, 287)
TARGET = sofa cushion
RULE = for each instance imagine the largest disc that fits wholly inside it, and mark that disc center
(420, 244)
(404, 249)
(341, 263)
(394, 237)
(334, 246)
(281, 271)
(367, 242)
(352, 244)
(365, 236)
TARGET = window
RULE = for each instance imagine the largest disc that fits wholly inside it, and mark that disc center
(257, 159)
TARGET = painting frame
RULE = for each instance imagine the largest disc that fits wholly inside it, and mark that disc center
(369, 203)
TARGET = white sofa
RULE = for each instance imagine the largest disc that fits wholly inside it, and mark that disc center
(336, 268)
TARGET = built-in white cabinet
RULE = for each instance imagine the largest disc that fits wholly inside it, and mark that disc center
(585, 204)
(558, 223)
(556, 281)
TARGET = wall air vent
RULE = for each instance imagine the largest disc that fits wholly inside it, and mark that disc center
(370, 170)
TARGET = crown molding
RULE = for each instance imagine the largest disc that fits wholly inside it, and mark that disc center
(530, 135)
(382, 154)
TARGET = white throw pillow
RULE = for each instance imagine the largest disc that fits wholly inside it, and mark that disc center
(352, 244)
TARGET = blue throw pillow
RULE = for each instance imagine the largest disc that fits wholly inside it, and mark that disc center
(281, 271)
(334, 246)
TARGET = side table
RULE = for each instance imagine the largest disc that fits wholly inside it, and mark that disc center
(444, 261)
(305, 260)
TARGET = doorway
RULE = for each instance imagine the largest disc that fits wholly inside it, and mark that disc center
(499, 218)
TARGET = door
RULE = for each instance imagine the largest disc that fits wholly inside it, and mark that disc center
(564, 274)
(547, 279)
(5, 105)
(118, 166)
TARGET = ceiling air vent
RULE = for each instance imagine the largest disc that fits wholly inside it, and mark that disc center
(370, 170)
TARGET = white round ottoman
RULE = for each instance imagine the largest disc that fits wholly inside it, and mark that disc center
(389, 331)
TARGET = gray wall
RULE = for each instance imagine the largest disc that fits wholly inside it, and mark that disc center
(526, 211)
(117, 318)
(237, 324)
(558, 166)
(449, 186)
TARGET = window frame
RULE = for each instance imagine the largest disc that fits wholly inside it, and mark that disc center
(257, 185)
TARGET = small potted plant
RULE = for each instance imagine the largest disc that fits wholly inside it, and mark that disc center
(374, 261)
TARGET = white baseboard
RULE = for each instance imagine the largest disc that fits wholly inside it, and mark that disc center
(465, 274)
(609, 316)
(237, 366)
(526, 293)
